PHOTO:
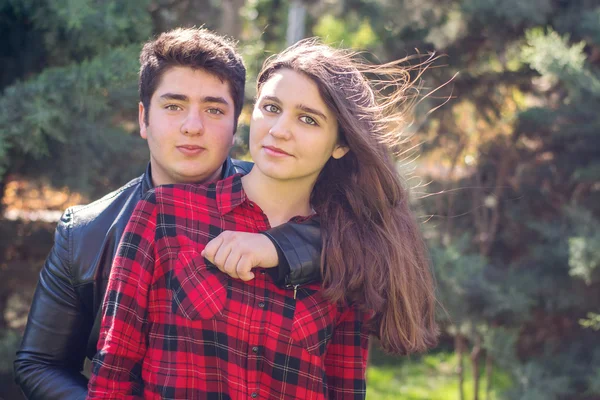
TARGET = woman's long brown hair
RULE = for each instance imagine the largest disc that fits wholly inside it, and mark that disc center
(373, 251)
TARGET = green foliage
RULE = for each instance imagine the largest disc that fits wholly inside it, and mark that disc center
(592, 321)
(63, 124)
(350, 32)
(431, 377)
(9, 341)
(512, 12)
(72, 29)
(501, 344)
(71, 123)
(584, 245)
(460, 279)
(536, 383)
(553, 56)
(594, 382)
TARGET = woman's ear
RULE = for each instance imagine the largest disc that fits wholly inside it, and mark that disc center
(340, 151)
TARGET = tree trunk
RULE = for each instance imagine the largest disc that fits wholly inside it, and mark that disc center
(3, 182)
(448, 231)
(475, 357)
(3, 305)
(489, 365)
(231, 21)
(459, 347)
(296, 21)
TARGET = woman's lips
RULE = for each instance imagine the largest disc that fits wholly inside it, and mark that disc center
(275, 151)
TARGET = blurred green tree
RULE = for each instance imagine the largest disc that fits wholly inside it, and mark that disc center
(68, 91)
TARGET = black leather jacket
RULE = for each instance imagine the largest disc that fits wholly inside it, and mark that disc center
(64, 320)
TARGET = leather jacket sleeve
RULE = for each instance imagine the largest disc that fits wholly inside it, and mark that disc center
(52, 352)
(299, 247)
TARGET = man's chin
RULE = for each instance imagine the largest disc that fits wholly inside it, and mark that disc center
(199, 177)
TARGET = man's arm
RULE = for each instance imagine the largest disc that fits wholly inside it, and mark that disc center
(298, 246)
(291, 250)
(52, 352)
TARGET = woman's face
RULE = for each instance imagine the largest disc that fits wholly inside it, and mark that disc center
(293, 133)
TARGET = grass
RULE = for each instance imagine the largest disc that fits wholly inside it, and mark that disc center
(430, 377)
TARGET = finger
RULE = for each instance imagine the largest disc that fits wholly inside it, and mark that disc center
(244, 269)
(230, 266)
(211, 248)
(221, 255)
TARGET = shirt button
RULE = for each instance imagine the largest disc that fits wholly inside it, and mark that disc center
(255, 349)
(254, 395)
(261, 304)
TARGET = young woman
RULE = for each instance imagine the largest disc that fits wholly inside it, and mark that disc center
(176, 327)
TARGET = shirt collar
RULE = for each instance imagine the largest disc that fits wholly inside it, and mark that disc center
(227, 170)
(229, 193)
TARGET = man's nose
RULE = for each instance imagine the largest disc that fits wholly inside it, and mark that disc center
(192, 124)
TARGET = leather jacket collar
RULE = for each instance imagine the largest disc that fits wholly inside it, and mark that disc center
(146, 181)
(228, 169)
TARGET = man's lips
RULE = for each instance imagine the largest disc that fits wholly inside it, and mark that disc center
(275, 151)
(190, 150)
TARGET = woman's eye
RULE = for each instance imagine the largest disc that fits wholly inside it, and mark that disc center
(271, 108)
(308, 120)
(173, 107)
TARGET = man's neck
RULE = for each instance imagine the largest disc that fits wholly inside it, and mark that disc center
(279, 200)
(157, 178)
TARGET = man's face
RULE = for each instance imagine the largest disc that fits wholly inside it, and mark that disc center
(190, 126)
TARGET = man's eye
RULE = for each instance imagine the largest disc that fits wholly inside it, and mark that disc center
(308, 120)
(271, 108)
(172, 107)
(215, 111)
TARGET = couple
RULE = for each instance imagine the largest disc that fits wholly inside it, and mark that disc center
(176, 321)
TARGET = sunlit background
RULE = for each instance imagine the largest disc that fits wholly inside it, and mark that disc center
(505, 174)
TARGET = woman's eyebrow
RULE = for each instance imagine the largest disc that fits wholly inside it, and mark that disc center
(311, 110)
(302, 107)
(272, 98)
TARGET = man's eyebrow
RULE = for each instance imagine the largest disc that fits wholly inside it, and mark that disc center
(183, 97)
(215, 99)
(174, 96)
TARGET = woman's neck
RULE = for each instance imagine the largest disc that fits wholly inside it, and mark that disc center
(280, 200)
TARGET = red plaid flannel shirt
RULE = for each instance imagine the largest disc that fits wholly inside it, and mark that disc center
(175, 327)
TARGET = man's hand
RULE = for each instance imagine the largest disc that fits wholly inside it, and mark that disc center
(236, 253)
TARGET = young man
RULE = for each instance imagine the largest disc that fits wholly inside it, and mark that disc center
(191, 95)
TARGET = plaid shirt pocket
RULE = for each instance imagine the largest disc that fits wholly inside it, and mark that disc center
(200, 291)
(314, 320)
